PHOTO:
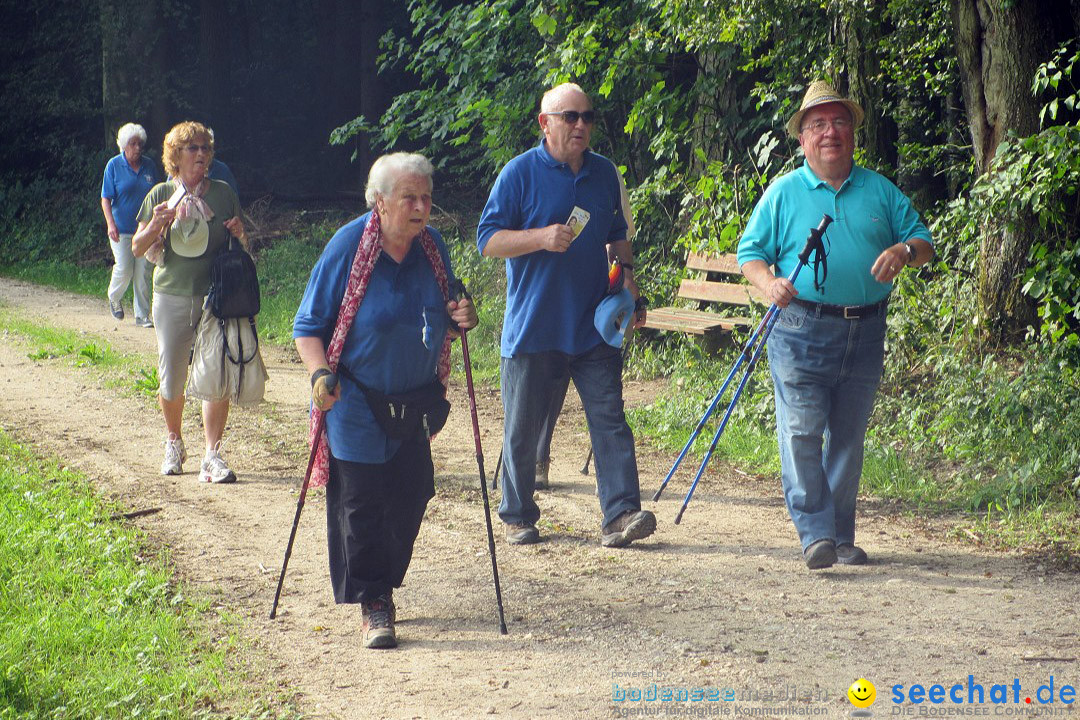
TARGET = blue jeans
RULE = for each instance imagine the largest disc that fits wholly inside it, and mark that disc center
(826, 372)
(528, 381)
(547, 427)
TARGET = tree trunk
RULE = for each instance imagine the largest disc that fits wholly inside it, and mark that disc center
(860, 30)
(999, 45)
(215, 63)
(135, 76)
(348, 83)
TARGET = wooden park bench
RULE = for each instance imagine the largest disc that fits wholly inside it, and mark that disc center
(731, 293)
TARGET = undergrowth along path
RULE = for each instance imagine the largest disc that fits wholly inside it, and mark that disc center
(721, 602)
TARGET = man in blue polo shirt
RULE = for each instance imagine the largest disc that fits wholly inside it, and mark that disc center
(556, 276)
(827, 350)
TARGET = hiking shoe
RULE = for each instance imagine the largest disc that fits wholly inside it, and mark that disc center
(144, 322)
(379, 616)
(175, 455)
(214, 469)
(522, 534)
(820, 554)
(848, 554)
(542, 474)
(116, 309)
(630, 526)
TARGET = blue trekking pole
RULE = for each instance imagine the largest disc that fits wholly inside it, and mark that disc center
(750, 355)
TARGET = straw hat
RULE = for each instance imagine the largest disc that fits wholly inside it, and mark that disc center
(820, 93)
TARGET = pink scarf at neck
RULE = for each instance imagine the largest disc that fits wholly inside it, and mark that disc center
(363, 263)
(192, 204)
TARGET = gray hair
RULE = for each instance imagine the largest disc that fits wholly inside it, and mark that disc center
(126, 132)
(388, 168)
(548, 100)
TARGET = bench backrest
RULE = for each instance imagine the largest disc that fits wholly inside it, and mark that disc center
(731, 293)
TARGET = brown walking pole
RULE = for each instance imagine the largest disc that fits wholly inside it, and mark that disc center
(331, 382)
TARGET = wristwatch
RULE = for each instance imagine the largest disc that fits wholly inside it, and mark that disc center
(911, 253)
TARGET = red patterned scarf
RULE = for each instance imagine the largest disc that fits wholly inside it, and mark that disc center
(363, 263)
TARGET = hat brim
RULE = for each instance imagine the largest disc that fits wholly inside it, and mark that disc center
(795, 122)
(613, 317)
(193, 245)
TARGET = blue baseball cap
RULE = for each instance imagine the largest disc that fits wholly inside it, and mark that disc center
(613, 317)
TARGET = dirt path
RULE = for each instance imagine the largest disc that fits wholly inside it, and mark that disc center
(721, 601)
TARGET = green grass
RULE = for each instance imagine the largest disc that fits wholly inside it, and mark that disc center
(46, 343)
(65, 275)
(1008, 506)
(92, 622)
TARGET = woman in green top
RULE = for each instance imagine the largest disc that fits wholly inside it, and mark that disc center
(183, 223)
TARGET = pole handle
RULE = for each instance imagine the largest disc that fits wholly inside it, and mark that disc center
(458, 290)
(813, 241)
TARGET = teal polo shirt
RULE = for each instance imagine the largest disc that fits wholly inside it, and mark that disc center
(869, 214)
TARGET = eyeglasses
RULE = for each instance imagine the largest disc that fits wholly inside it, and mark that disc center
(570, 117)
(197, 148)
(818, 126)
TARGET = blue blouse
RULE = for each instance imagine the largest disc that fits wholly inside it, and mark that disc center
(393, 344)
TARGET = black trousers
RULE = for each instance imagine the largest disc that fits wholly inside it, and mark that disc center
(373, 515)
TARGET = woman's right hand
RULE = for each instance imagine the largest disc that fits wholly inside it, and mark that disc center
(114, 234)
(163, 216)
(325, 390)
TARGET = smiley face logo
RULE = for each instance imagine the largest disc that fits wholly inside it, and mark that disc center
(862, 693)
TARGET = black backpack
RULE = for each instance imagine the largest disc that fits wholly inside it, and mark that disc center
(234, 286)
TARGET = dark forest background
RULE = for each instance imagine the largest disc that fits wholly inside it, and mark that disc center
(273, 79)
(972, 108)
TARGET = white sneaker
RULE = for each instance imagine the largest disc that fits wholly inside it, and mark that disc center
(175, 455)
(214, 469)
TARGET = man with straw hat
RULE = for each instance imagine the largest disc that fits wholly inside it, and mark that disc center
(826, 352)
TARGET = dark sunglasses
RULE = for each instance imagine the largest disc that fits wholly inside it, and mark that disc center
(197, 148)
(570, 117)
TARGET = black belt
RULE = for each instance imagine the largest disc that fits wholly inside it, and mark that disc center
(848, 312)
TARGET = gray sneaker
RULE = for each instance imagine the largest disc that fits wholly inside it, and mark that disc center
(630, 526)
(214, 469)
(175, 455)
(116, 309)
(542, 467)
(144, 322)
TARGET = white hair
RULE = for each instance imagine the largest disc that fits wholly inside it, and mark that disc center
(549, 98)
(388, 168)
(126, 132)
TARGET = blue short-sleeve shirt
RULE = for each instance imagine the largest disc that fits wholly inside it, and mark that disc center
(220, 171)
(869, 214)
(551, 297)
(126, 188)
(393, 344)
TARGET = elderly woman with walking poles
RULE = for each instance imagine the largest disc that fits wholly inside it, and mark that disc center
(374, 330)
(184, 222)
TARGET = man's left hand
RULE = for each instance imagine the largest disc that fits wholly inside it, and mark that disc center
(639, 308)
(889, 263)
